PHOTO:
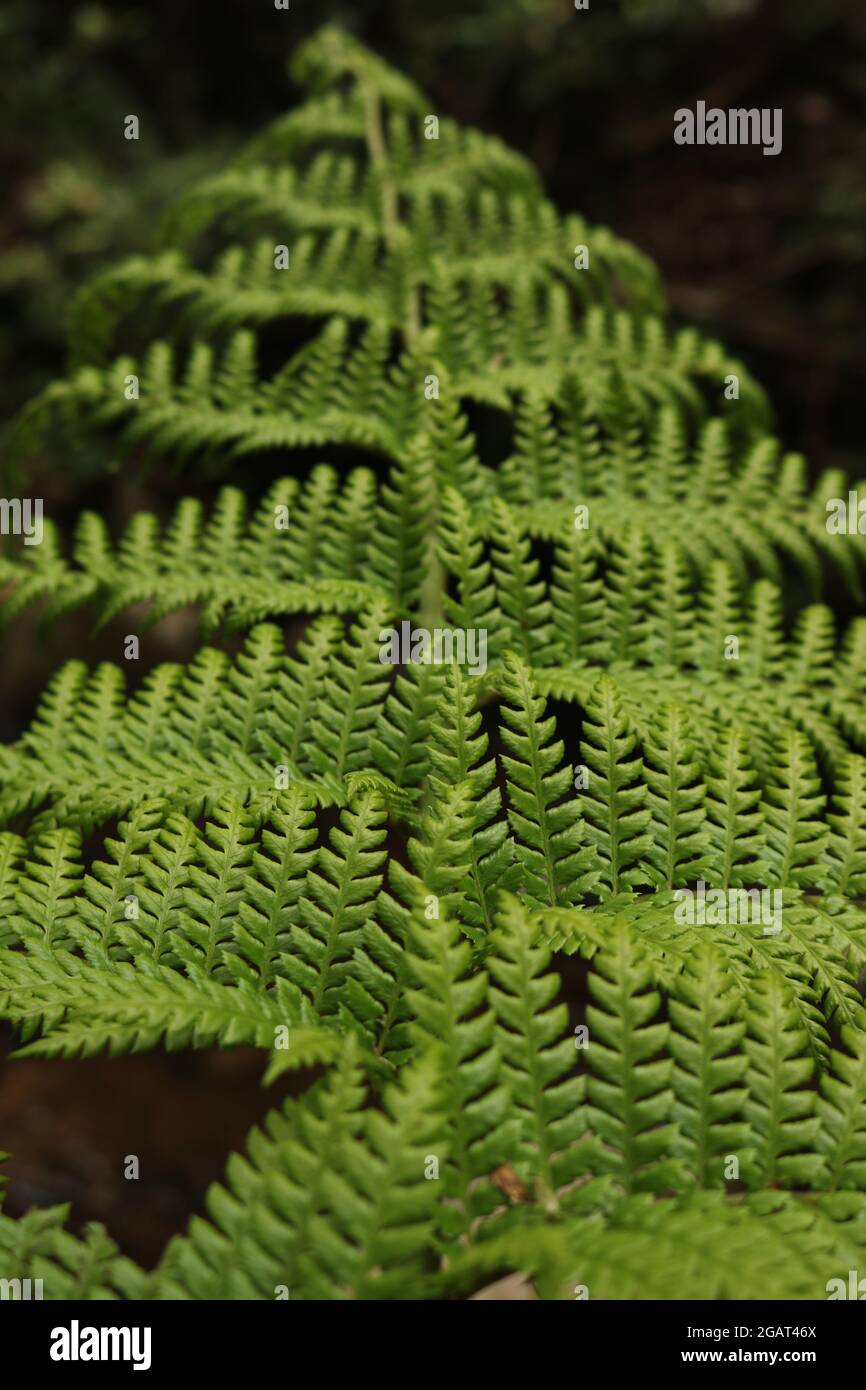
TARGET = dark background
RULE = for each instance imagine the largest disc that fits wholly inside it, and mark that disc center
(768, 254)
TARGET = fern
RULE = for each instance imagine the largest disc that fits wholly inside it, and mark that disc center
(547, 834)
(538, 1057)
(445, 1002)
(780, 1108)
(614, 803)
(710, 1066)
(630, 1096)
(340, 1189)
(505, 920)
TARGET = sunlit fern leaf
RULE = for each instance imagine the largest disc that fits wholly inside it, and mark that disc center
(630, 1100)
(805, 954)
(285, 725)
(82, 1009)
(450, 448)
(448, 1004)
(440, 854)
(543, 811)
(330, 1202)
(471, 604)
(538, 1055)
(338, 898)
(706, 1034)
(830, 950)
(381, 869)
(675, 798)
(337, 544)
(188, 736)
(12, 849)
(795, 835)
(345, 712)
(577, 598)
(614, 801)
(268, 910)
(840, 1109)
(389, 230)
(780, 1109)
(400, 559)
(670, 634)
(734, 821)
(399, 745)
(845, 852)
(227, 1257)
(525, 611)
(457, 747)
(68, 1267)
(700, 1246)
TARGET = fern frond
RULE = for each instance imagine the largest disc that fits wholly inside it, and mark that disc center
(68, 1267)
(845, 851)
(82, 1009)
(339, 897)
(543, 811)
(630, 1096)
(331, 1202)
(707, 1030)
(614, 800)
(780, 1110)
(699, 1246)
(449, 1008)
(680, 843)
(842, 1136)
(795, 836)
(395, 878)
(538, 1055)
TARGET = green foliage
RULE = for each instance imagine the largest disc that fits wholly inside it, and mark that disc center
(630, 1095)
(375, 868)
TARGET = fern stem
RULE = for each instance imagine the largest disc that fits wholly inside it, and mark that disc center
(379, 160)
(378, 150)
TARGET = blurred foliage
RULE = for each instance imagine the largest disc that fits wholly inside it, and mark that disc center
(71, 199)
(769, 254)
